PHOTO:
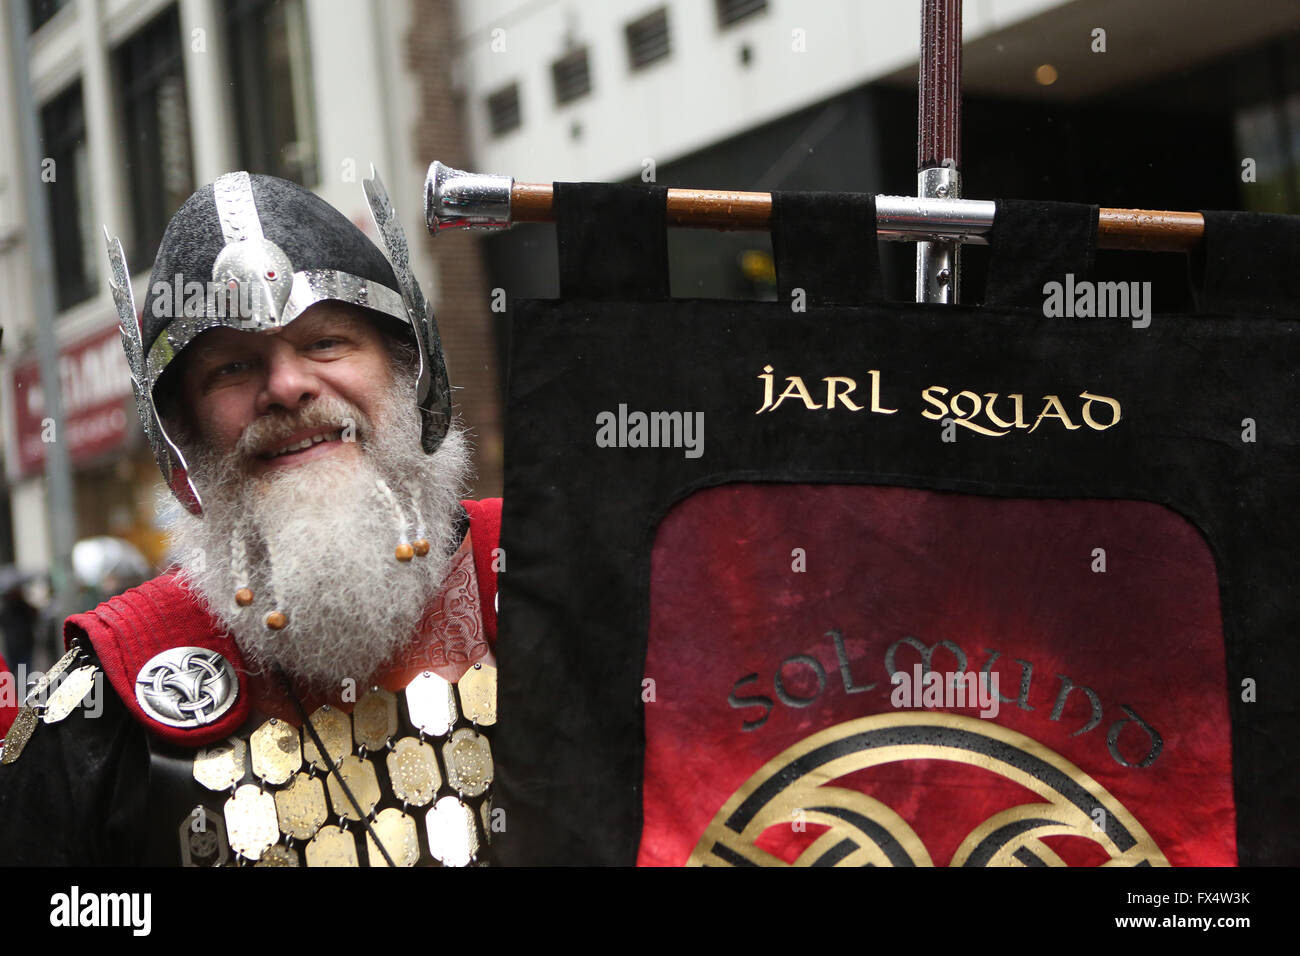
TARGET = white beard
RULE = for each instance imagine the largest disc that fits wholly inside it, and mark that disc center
(319, 540)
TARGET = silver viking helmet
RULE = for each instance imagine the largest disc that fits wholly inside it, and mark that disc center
(269, 249)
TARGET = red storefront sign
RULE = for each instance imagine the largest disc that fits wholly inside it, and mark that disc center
(95, 384)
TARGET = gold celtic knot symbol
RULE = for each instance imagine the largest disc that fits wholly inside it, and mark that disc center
(863, 831)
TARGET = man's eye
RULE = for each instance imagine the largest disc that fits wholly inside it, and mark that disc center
(325, 343)
(230, 368)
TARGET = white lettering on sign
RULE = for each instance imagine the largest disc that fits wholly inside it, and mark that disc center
(87, 377)
(95, 387)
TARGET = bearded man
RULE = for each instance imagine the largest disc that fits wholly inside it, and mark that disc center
(312, 681)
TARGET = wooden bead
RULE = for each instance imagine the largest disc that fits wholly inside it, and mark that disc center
(405, 552)
(421, 546)
(243, 597)
(275, 620)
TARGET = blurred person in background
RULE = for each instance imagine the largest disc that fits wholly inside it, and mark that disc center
(105, 567)
(17, 618)
(101, 568)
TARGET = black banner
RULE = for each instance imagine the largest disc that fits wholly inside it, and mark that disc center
(619, 411)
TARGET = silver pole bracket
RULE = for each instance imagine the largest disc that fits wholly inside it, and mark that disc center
(454, 199)
(938, 264)
(911, 219)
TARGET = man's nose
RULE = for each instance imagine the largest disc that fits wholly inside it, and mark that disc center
(290, 381)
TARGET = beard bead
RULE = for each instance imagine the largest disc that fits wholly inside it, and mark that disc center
(421, 543)
(404, 552)
(276, 620)
(239, 566)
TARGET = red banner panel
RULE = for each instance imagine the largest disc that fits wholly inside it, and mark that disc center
(866, 675)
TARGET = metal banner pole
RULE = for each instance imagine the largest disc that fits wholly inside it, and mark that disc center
(455, 199)
(938, 142)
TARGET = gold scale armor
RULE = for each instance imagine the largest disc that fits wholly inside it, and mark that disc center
(405, 777)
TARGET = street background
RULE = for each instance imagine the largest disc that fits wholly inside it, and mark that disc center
(1164, 104)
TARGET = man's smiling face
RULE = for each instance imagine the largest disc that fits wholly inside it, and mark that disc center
(312, 531)
(279, 399)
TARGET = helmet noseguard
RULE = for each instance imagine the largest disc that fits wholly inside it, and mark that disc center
(254, 252)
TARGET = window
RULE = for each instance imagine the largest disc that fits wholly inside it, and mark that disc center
(40, 11)
(730, 11)
(503, 110)
(1269, 133)
(161, 170)
(647, 39)
(65, 177)
(270, 69)
(572, 77)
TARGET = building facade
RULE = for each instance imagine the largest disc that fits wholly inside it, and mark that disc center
(1171, 104)
(140, 102)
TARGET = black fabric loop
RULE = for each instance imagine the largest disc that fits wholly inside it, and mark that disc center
(825, 244)
(1034, 243)
(612, 240)
(1247, 263)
